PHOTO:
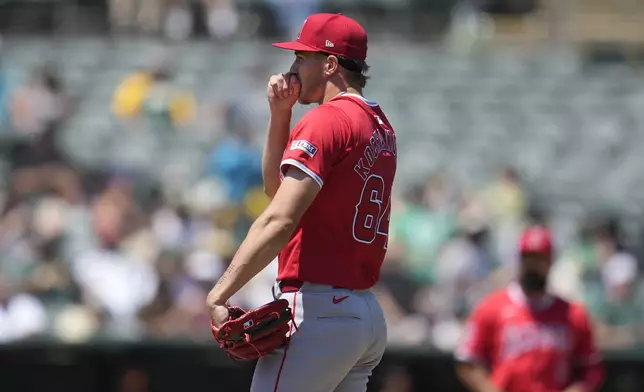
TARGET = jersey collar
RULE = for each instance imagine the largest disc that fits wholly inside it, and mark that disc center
(518, 297)
(360, 97)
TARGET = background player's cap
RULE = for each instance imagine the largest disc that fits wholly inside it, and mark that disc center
(536, 240)
(330, 33)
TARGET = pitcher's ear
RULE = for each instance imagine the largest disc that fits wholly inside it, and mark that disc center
(331, 65)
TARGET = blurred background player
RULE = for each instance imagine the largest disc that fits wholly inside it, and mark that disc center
(523, 338)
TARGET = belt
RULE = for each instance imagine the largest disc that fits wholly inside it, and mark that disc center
(292, 285)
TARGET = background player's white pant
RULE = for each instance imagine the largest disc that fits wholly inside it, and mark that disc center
(336, 345)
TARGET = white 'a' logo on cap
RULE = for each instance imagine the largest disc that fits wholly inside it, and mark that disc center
(302, 28)
(329, 44)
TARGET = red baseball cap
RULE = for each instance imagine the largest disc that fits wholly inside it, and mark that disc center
(330, 33)
(536, 240)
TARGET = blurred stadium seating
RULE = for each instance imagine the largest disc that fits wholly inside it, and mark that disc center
(544, 113)
(572, 132)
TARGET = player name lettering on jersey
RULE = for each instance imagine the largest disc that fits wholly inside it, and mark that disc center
(517, 340)
(377, 145)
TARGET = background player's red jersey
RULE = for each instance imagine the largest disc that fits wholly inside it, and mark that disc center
(529, 347)
(348, 146)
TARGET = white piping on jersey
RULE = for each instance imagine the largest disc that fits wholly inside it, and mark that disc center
(302, 167)
(368, 102)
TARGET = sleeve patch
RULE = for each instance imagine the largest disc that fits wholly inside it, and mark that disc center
(305, 146)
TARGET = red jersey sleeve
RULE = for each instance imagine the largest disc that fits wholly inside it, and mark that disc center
(317, 143)
(585, 351)
(478, 335)
(586, 356)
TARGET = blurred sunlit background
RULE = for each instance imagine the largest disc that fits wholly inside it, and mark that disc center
(130, 148)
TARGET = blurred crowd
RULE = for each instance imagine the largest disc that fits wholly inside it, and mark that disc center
(109, 254)
(219, 19)
(450, 246)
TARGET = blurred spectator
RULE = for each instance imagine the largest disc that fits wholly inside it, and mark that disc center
(40, 103)
(441, 194)
(222, 18)
(178, 22)
(40, 166)
(235, 163)
(575, 262)
(468, 25)
(290, 14)
(463, 262)
(235, 159)
(6, 88)
(505, 199)
(420, 230)
(614, 293)
(175, 311)
(50, 279)
(506, 205)
(463, 265)
(138, 15)
(18, 254)
(75, 324)
(151, 95)
(114, 281)
(130, 94)
(38, 111)
(22, 316)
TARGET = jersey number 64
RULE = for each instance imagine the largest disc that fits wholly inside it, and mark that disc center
(372, 216)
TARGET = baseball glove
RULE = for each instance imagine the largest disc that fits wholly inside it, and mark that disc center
(248, 335)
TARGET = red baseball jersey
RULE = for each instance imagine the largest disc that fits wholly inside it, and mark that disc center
(349, 148)
(528, 347)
